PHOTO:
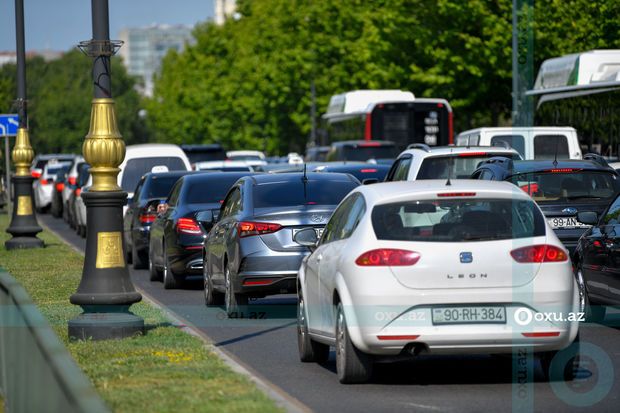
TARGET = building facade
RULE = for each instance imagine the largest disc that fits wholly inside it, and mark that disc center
(224, 9)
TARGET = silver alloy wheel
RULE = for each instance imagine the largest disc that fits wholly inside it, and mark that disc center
(228, 294)
(301, 319)
(582, 291)
(206, 281)
(340, 341)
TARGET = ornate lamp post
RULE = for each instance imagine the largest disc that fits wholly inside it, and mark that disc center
(105, 292)
(24, 227)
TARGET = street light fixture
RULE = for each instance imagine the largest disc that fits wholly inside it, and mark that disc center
(24, 227)
(105, 292)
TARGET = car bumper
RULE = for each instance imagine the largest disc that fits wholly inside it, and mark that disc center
(268, 273)
(388, 323)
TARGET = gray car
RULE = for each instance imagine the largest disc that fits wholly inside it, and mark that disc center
(250, 251)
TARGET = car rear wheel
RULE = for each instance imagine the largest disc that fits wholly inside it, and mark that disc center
(352, 365)
(594, 313)
(562, 364)
(170, 280)
(137, 259)
(154, 274)
(235, 303)
(309, 350)
(212, 297)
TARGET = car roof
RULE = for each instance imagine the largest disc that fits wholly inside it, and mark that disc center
(294, 176)
(166, 174)
(385, 192)
(206, 147)
(353, 167)
(544, 165)
(362, 142)
(203, 176)
(447, 150)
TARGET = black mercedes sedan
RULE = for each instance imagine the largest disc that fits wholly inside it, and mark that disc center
(152, 188)
(178, 232)
(250, 251)
(597, 262)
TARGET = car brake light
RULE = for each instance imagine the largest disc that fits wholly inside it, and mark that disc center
(539, 253)
(455, 194)
(563, 170)
(368, 171)
(60, 186)
(44, 181)
(258, 282)
(369, 144)
(188, 226)
(72, 180)
(368, 128)
(465, 154)
(247, 229)
(147, 218)
(35, 174)
(78, 191)
(387, 257)
(542, 334)
(530, 189)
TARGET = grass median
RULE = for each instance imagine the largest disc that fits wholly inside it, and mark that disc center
(166, 370)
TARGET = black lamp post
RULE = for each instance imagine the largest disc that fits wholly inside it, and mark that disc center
(24, 227)
(105, 292)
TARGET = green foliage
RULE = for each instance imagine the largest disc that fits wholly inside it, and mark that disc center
(59, 101)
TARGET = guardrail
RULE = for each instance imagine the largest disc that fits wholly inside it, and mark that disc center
(37, 374)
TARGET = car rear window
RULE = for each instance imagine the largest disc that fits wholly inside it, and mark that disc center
(291, 193)
(364, 153)
(564, 184)
(461, 165)
(198, 155)
(551, 147)
(457, 220)
(135, 168)
(158, 186)
(209, 191)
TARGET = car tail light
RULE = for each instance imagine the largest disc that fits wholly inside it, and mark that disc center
(188, 226)
(542, 334)
(455, 194)
(466, 154)
(563, 170)
(35, 174)
(72, 180)
(368, 128)
(250, 283)
(530, 189)
(401, 337)
(147, 218)
(247, 229)
(450, 128)
(60, 186)
(387, 257)
(78, 191)
(368, 171)
(44, 181)
(539, 253)
(369, 144)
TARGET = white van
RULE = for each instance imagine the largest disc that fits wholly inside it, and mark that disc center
(538, 142)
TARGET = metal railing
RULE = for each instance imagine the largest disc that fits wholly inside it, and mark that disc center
(37, 374)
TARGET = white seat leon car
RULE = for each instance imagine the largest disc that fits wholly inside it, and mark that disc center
(404, 268)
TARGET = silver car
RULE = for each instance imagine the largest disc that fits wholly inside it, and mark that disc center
(250, 251)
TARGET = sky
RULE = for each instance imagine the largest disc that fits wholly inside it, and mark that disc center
(62, 24)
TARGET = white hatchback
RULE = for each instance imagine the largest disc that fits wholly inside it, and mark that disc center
(405, 268)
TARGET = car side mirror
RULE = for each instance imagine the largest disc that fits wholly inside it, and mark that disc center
(306, 237)
(587, 217)
(370, 181)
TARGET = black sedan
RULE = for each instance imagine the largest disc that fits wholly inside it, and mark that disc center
(365, 173)
(178, 233)
(142, 211)
(597, 262)
(250, 252)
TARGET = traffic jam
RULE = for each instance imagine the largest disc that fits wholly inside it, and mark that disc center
(397, 238)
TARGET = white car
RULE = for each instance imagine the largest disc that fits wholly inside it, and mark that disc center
(404, 268)
(421, 161)
(224, 166)
(252, 158)
(43, 187)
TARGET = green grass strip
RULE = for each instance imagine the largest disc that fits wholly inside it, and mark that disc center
(167, 370)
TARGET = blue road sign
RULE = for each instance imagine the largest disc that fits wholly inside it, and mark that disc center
(9, 124)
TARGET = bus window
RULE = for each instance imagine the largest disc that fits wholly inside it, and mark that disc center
(551, 147)
(517, 142)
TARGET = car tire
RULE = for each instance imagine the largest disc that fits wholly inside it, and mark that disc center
(138, 261)
(593, 313)
(352, 365)
(309, 350)
(235, 302)
(560, 365)
(170, 280)
(81, 231)
(212, 298)
(154, 274)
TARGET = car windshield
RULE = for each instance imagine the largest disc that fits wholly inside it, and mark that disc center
(292, 193)
(136, 167)
(158, 186)
(245, 158)
(457, 220)
(458, 166)
(364, 153)
(568, 185)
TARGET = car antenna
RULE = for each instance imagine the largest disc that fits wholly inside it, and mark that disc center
(450, 166)
(555, 158)
(304, 179)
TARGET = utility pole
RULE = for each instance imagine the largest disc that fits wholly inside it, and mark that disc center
(522, 62)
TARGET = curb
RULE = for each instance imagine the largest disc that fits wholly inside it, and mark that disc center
(282, 399)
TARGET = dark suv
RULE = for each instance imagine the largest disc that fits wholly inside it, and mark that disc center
(380, 151)
(561, 189)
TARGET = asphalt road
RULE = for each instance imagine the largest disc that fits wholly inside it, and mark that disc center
(267, 344)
